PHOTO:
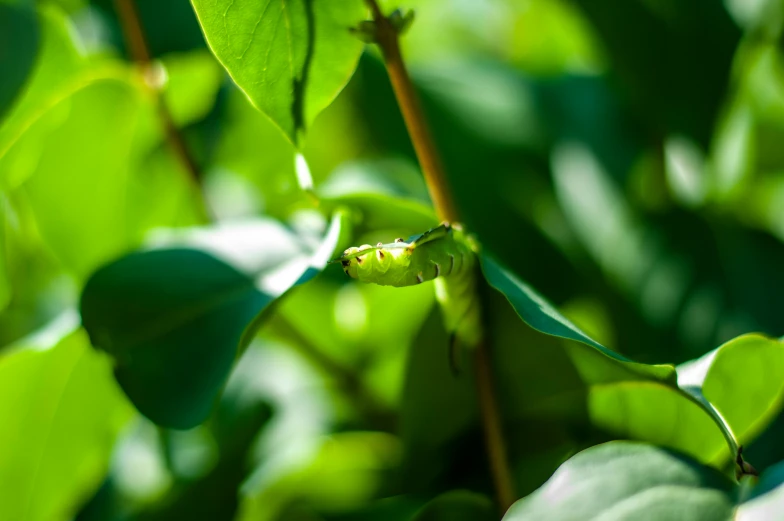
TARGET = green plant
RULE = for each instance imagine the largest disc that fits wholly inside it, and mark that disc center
(182, 195)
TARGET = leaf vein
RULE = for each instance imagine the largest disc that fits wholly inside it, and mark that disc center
(255, 29)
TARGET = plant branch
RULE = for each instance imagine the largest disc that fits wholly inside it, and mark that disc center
(410, 107)
(139, 51)
(494, 436)
(387, 39)
(350, 383)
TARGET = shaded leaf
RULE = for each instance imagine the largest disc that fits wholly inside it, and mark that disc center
(540, 314)
(19, 42)
(175, 319)
(673, 59)
(621, 397)
(388, 509)
(290, 58)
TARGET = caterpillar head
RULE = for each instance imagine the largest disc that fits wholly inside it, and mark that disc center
(375, 262)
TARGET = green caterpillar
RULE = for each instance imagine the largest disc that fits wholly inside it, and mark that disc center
(446, 254)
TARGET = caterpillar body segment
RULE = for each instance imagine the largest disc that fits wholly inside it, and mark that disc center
(460, 307)
(446, 254)
(440, 252)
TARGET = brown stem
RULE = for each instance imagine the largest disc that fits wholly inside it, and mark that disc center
(432, 168)
(494, 437)
(410, 107)
(137, 47)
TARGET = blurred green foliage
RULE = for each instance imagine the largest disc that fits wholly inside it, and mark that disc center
(621, 157)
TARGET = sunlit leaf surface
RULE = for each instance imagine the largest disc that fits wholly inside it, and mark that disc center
(621, 480)
(56, 449)
(290, 58)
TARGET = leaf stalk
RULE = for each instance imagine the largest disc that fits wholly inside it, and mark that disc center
(135, 41)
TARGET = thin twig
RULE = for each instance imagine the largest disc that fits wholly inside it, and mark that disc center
(432, 168)
(410, 107)
(137, 47)
(494, 437)
(376, 413)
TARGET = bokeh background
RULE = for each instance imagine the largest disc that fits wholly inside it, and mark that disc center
(622, 156)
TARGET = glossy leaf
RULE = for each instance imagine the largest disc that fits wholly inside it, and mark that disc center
(622, 480)
(743, 379)
(19, 41)
(290, 58)
(63, 412)
(175, 319)
(621, 397)
(539, 314)
(656, 413)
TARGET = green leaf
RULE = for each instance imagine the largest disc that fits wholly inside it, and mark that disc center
(5, 283)
(175, 319)
(91, 203)
(540, 315)
(623, 480)
(77, 188)
(290, 58)
(621, 397)
(62, 412)
(375, 212)
(656, 413)
(192, 83)
(743, 379)
(18, 48)
(458, 505)
(54, 77)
